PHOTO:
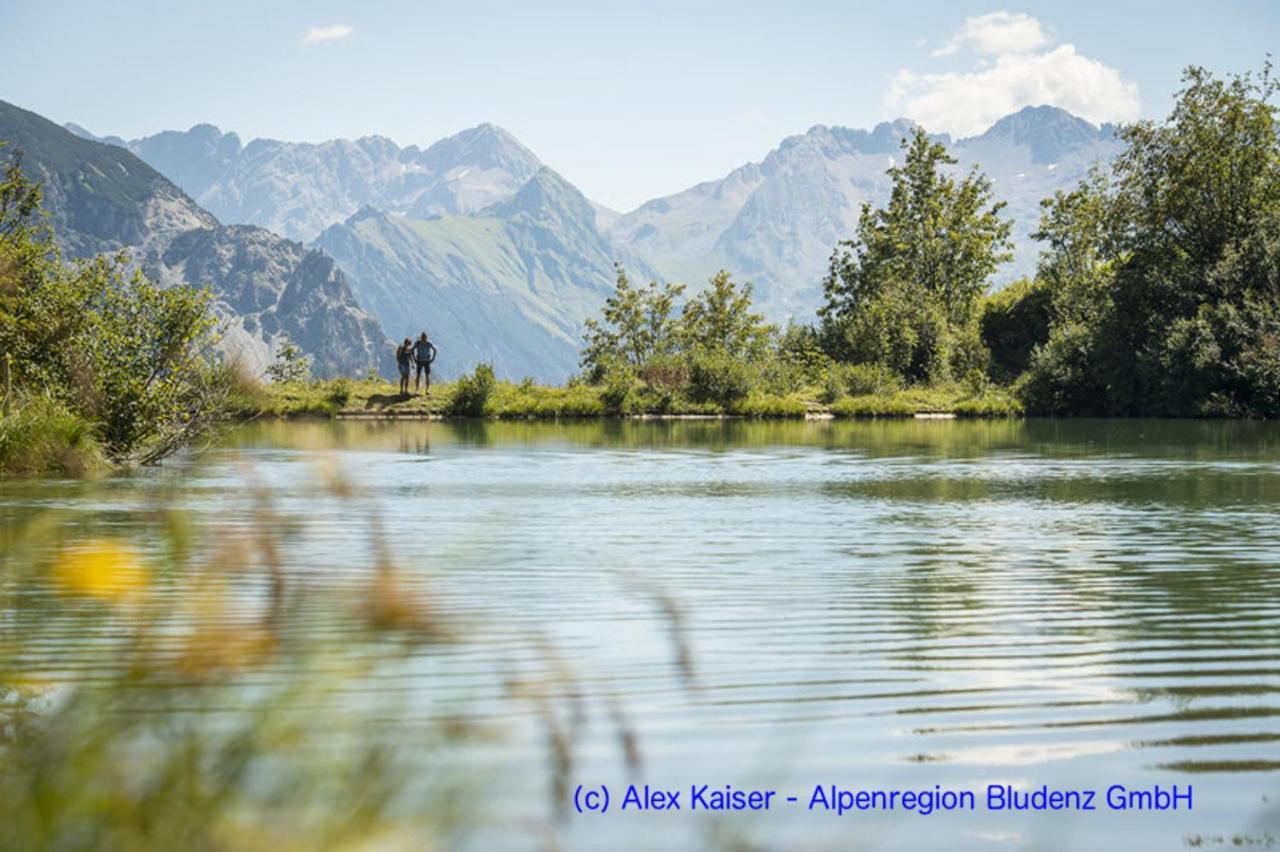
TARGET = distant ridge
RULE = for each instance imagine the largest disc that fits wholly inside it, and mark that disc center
(101, 198)
(478, 218)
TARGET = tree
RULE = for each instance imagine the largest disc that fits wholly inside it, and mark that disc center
(636, 325)
(720, 319)
(290, 364)
(1165, 275)
(904, 291)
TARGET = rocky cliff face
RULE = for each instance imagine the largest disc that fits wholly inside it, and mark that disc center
(102, 198)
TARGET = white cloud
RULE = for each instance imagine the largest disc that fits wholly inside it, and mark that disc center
(1014, 69)
(321, 35)
(996, 34)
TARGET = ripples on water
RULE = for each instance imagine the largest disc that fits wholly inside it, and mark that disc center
(873, 605)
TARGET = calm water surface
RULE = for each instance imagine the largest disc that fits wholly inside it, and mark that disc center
(780, 605)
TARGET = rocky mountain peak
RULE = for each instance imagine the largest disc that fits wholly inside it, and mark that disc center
(1048, 131)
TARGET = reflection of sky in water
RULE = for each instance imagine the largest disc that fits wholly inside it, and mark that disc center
(870, 605)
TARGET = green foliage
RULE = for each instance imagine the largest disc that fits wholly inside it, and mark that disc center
(874, 405)
(339, 391)
(533, 401)
(636, 324)
(616, 389)
(290, 364)
(954, 399)
(1014, 322)
(758, 404)
(862, 379)
(720, 320)
(646, 356)
(904, 292)
(41, 436)
(112, 347)
(471, 393)
(1165, 274)
(719, 378)
(142, 364)
(800, 349)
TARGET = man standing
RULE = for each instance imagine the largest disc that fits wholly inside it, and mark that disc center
(424, 352)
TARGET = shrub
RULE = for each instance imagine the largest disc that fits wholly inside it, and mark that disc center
(766, 405)
(666, 374)
(989, 405)
(873, 405)
(1063, 377)
(1014, 322)
(718, 378)
(43, 437)
(338, 392)
(863, 379)
(471, 392)
(619, 383)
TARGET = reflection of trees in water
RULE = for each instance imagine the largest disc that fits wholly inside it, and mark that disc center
(925, 439)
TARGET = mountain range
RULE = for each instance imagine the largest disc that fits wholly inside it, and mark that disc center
(502, 259)
(775, 222)
(101, 198)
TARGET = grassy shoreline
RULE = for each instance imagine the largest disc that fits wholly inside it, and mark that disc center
(376, 399)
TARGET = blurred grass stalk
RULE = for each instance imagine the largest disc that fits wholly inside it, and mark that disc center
(225, 699)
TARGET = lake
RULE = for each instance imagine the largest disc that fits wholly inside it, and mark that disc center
(882, 605)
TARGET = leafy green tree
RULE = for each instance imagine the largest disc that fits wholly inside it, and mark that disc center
(636, 324)
(290, 364)
(720, 319)
(904, 291)
(142, 364)
(1166, 275)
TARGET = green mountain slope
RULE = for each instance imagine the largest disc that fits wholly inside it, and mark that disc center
(511, 285)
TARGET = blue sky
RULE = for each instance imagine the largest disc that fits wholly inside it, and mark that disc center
(628, 101)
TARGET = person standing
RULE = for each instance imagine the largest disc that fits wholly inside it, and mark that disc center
(403, 358)
(424, 352)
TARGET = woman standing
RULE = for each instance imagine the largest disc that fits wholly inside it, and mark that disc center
(404, 357)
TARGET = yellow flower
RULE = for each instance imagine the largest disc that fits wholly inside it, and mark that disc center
(99, 568)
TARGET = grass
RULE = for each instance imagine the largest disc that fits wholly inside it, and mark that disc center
(956, 400)
(40, 437)
(513, 401)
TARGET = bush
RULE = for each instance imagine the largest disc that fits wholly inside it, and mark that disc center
(767, 405)
(471, 392)
(619, 383)
(43, 437)
(863, 379)
(1014, 322)
(873, 405)
(989, 405)
(338, 392)
(116, 349)
(1063, 376)
(718, 378)
(666, 374)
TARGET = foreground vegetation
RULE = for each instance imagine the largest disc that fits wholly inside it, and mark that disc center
(101, 366)
(232, 698)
